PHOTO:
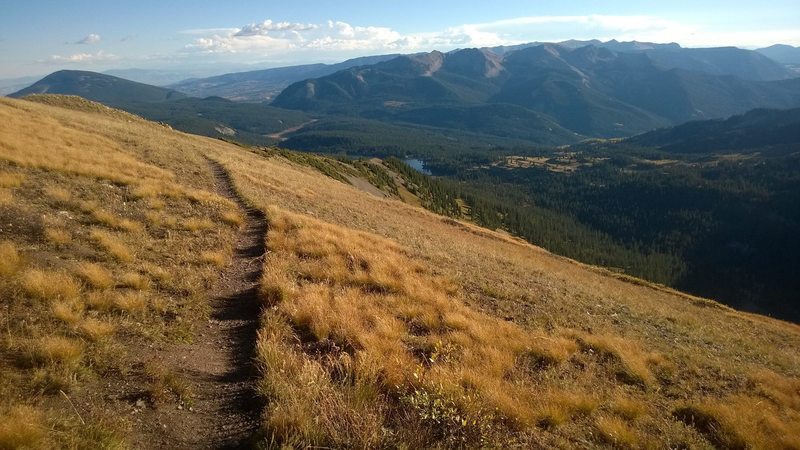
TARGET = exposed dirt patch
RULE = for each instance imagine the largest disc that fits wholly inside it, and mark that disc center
(281, 136)
(222, 408)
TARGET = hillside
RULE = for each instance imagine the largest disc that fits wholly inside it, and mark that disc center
(757, 130)
(784, 54)
(211, 116)
(382, 325)
(590, 90)
(101, 88)
(264, 85)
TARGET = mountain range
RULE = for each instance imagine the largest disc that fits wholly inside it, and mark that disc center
(538, 93)
(589, 90)
(263, 85)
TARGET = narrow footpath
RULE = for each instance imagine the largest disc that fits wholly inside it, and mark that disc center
(219, 365)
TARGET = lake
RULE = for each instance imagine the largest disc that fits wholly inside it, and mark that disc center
(418, 165)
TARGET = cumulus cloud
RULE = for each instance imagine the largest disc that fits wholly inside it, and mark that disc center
(89, 40)
(83, 57)
(270, 38)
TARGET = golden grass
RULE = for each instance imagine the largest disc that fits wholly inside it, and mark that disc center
(57, 351)
(163, 382)
(402, 332)
(558, 407)
(133, 280)
(109, 219)
(99, 300)
(10, 260)
(22, 427)
(49, 285)
(58, 194)
(57, 236)
(232, 218)
(196, 225)
(11, 180)
(628, 408)
(743, 421)
(616, 432)
(116, 248)
(633, 362)
(67, 312)
(215, 258)
(95, 329)
(134, 303)
(161, 219)
(6, 197)
(95, 275)
(687, 348)
(74, 203)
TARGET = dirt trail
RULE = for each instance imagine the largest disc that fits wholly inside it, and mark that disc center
(218, 366)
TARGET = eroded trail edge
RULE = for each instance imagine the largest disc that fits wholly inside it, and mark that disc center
(219, 364)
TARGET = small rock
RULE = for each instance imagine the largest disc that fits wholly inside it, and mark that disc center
(140, 403)
(180, 406)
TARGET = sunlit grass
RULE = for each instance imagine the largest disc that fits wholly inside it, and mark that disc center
(10, 260)
(49, 285)
(115, 248)
(95, 275)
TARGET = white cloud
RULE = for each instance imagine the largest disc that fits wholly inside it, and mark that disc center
(99, 56)
(88, 40)
(274, 38)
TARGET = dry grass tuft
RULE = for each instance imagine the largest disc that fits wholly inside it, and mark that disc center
(233, 218)
(57, 236)
(6, 197)
(67, 312)
(113, 221)
(742, 422)
(134, 302)
(616, 432)
(60, 195)
(57, 351)
(95, 329)
(628, 408)
(558, 407)
(116, 248)
(163, 382)
(49, 285)
(133, 280)
(632, 362)
(215, 258)
(22, 427)
(10, 260)
(196, 225)
(11, 180)
(95, 275)
(99, 300)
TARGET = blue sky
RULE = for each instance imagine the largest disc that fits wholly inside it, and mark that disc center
(40, 36)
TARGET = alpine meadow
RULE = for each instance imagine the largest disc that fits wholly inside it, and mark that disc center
(449, 225)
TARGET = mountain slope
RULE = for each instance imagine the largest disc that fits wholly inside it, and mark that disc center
(102, 88)
(383, 325)
(212, 116)
(756, 130)
(590, 90)
(784, 54)
(263, 85)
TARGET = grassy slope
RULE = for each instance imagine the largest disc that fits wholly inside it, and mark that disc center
(384, 315)
(688, 350)
(109, 243)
